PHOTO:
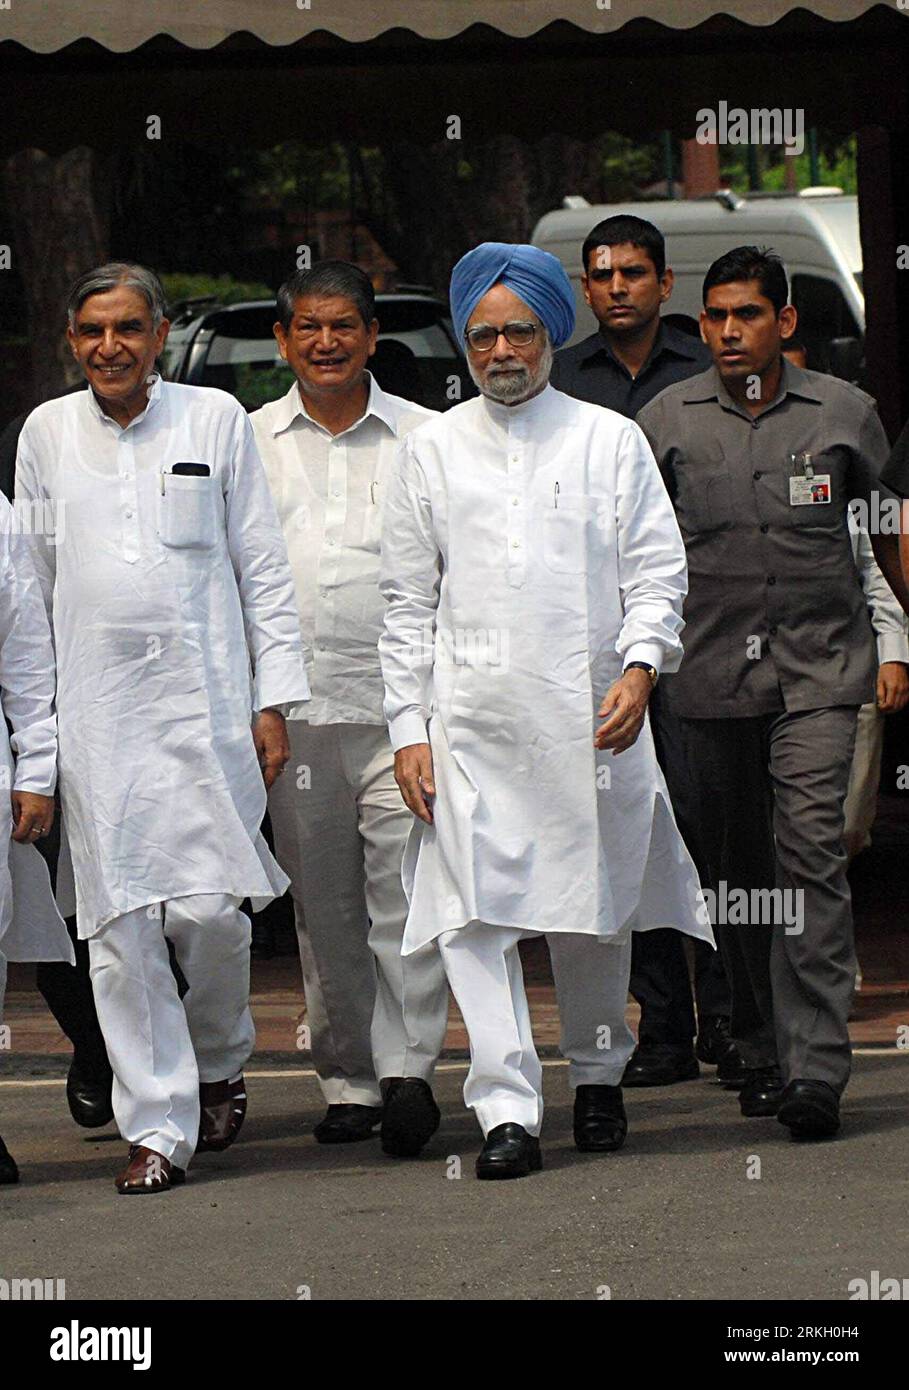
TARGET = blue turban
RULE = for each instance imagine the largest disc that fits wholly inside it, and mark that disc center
(533, 275)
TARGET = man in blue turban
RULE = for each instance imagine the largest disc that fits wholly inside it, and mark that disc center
(534, 576)
(535, 276)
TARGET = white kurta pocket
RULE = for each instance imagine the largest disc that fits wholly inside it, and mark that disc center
(187, 511)
(567, 533)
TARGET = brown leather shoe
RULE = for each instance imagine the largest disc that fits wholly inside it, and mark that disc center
(223, 1110)
(148, 1171)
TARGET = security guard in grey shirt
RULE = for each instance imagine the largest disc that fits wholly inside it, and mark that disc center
(761, 460)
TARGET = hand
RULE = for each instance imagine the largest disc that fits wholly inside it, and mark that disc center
(625, 702)
(413, 774)
(270, 738)
(892, 686)
(33, 816)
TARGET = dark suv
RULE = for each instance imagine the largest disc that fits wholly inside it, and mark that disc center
(232, 347)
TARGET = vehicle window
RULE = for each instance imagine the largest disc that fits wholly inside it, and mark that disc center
(823, 314)
(399, 316)
(172, 356)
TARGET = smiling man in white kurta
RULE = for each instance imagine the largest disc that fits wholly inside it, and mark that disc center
(534, 577)
(377, 1019)
(177, 641)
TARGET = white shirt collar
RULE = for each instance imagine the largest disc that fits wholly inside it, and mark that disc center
(155, 389)
(524, 413)
(290, 408)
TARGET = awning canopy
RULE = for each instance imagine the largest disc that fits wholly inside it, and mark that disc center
(46, 26)
(637, 77)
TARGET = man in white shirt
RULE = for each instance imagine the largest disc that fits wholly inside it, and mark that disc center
(166, 581)
(890, 631)
(30, 926)
(534, 577)
(377, 1021)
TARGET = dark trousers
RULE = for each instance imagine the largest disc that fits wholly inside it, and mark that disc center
(661, 984)
(67, 989)
(769, 796)
(660, 980)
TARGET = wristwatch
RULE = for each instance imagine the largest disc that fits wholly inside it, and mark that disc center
(642, 666)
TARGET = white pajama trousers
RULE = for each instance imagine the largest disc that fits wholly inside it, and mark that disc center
(160, 1046)
(505, 1080)
(340, 827)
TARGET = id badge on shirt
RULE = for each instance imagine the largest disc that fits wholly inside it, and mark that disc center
(807, 488)
(809, 492)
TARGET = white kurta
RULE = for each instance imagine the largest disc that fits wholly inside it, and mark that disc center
(163, 590)
(328, 491)
(30, 926)
(528, 553)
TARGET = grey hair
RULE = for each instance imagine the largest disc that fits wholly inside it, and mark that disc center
(330, 279)
(109, 277)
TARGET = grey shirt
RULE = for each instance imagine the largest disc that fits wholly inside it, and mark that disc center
(775, 615)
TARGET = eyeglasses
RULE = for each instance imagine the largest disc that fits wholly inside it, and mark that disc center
(483, 337)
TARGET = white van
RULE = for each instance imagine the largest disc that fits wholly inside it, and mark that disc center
(815, 232)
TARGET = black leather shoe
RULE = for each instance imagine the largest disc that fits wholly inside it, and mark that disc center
(660, 1064)
(600, 1122)
(761, 1092)
(346, 1124)
(811, 1109)
(410, 1117)
(9, 1173)
(89, 1096)
(509, 1152)
(715, 1048)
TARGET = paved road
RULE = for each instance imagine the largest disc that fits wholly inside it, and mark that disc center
(674, 1215)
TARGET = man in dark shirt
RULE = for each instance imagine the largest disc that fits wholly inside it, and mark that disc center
(633, 356)
(760, 459)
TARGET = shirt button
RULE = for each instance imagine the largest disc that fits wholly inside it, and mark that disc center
(771, 579)
(771, 631)
(764, 528)
(516, 545)
(756, 474)
(515, 501)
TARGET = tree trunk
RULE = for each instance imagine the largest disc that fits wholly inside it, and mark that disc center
(59, 231)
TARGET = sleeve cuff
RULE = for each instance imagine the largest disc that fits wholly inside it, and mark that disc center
(406, 728)
(651, 653)
(36, 773)
(892, 646)
(35, 752)
(281, 681)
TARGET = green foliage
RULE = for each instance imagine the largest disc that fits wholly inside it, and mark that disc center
(628, 166)
(255, 386)
(837, 161)
(224, 288)
(296, 175)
